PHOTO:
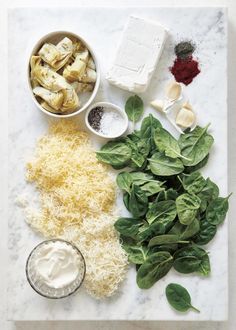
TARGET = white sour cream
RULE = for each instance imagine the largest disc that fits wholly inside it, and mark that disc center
(58, 264)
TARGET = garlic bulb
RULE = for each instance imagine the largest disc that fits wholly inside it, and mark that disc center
(185, 117)
(158, 105)
(173, 91)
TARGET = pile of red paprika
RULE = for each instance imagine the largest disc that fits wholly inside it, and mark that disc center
(185, 68)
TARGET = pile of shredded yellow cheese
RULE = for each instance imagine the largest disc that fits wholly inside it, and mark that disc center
(77, 197)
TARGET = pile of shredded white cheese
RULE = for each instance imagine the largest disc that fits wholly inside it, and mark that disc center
(77, 197)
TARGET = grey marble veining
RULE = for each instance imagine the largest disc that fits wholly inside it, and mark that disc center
(102, 28)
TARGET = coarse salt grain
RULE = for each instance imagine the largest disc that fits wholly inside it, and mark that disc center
(112, 123)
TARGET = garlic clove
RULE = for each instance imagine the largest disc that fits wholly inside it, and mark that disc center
(173, 91)
(185, 118)
(158, 105)
(187, 105)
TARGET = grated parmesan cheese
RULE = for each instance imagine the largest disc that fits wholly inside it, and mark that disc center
(77, 197)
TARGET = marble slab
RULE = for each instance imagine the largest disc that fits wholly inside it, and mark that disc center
(102, 28)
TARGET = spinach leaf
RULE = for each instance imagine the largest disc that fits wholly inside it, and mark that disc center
(136, 254)
(139, 178)
(165, 239)
(126, 200)
(217, 209)
(152, 188)
(134, 108)
(208, 193)
(187, 206)
(195, 145)
(171, 248)
(124, 181)
(148, 126)
(147, 231)
(206, 233)
(192, 259)
(153, 269)
(165, 166)
(138, 202)
(166, 143)
(179, 298)
(163, 212)
(202, 163)
(139, 151)
(193, 183)
(185, 232)
(169, 194)
(128, 226)
(115, 153)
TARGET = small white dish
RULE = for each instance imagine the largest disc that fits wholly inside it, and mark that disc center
(107, 106)
(55, 37)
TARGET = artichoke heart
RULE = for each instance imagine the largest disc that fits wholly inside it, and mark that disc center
(47, 107)
(91, 63)
(57, 56)
(82, 87)
(90, 76)
(46, 77)
(53, 99)
(77, 69)
(70, 101)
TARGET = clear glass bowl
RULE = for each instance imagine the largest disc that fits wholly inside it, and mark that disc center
(38, 283)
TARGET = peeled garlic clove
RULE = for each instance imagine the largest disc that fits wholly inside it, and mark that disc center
(173, 91)
(188, 106)
(185, 118)
(158, 105)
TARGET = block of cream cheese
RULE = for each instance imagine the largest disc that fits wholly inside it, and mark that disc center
(137, 55)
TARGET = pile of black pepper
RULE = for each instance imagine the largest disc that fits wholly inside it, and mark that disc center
(184, 49)
(94, 117)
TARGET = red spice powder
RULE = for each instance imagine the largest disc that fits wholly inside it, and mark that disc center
(184, 70)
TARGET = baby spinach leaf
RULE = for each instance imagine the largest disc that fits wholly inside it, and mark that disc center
(185, 232)
(153, 269)
(195, 145)
(139, 178)
(179, 298)
(165, 239)
(138, 202)
(124, 181)
(206, 233)
(126, 200)
(202, 163)
(192, 259)
(114, 153)
(193, 183)
(171, 248)
(169, 194)
(136, 254)
(134, 108)
(147, 231)
(163, 212)
(166, 143)
(217, 209)
(128, 226)
(148, 126)
(187, 206)
(152, 188)
(187, 264)
(165, 166)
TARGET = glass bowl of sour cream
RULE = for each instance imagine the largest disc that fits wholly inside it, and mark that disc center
(55, 268)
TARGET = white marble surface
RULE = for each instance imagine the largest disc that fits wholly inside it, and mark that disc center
(208, 95)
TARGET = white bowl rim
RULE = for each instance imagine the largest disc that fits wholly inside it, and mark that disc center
(106, 105)
(97, 83)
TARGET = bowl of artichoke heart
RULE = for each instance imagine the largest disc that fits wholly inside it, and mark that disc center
(63, 74)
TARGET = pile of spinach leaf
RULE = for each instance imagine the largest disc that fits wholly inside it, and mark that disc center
(174, 208)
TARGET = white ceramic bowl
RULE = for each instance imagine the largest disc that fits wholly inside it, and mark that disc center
(55, 37)
(112, 107)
